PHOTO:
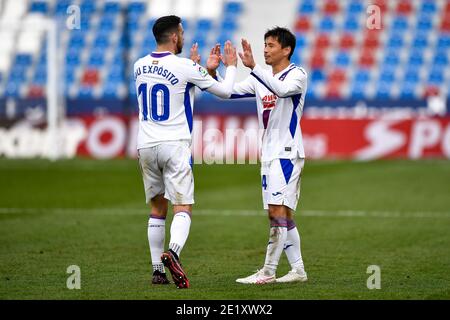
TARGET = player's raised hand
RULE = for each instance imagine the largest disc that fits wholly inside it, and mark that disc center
(246, 55)
(229, 56)
(194, 53)
(214, 58)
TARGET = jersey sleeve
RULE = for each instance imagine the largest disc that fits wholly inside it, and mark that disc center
(293, 84)
(244, 89)
(198, 75)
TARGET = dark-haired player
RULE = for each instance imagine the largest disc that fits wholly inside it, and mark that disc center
(280, 96)
(165, 91)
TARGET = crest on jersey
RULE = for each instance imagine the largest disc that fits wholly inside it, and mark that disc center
(202, 71)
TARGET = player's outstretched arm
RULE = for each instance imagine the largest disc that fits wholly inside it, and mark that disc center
(282, 89)
(224, 89)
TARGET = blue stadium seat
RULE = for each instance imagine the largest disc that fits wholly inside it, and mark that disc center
(12, 89)
(342, 59)
(18, 73)
(383, 90)
(355, 7)
(70, 77)
(23, 59)
(87, 7)
(85, 92)
(387, 76)
(391, 59)
(307, 7)
(73, 58)
(233, 7)
(416, 58)
(228, 24)
(61, 6)
(420, 41)
(327, 24)
(40, 75)
(111, 8)
(395, 42)
(97, 58)
(107, 23)
(428, 7)
(101, 42)
(204, 25)
(351, 24)
(39, 6)
(400, 24)
(440, 59)
(301, 41)
(317, 75)
(443, 41)
(358, 90)
(411, 76)
(424, 23)
(436, 76)
(362, 76)
(407, 90)
(137, 7)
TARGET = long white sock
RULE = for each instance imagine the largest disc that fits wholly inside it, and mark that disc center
(156, 233)
(292, 246)
(179, 231)
(277, 238)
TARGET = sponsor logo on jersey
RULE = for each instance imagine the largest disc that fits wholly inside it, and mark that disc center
(269, 101)
(202, 71)
(155, 62)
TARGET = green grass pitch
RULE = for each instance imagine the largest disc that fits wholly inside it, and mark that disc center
(394, 214)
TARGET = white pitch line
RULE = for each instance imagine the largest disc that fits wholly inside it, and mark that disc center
(230, 212)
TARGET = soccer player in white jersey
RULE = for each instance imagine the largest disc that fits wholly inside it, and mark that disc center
(280, 96)
(165, 91)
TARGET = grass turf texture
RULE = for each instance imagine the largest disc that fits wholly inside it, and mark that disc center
(92, 214)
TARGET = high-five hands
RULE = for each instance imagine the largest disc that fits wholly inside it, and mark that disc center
(194, 53)
(229, 54)
(247, 55)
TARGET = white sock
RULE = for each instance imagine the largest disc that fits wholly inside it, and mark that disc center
(156, 233)
(292, 246)
(277, 238)
(179, 231)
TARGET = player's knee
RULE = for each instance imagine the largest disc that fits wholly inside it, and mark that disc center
(277, 211)
(159, 206)
(182, 208)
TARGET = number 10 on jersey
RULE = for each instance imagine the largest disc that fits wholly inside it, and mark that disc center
(154, 109)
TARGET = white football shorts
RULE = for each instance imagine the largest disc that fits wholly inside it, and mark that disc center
(167, 169)
(281, 182)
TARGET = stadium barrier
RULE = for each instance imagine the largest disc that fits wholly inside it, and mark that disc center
(235, 138)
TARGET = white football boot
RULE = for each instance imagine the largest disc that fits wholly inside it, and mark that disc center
(257, 278)
(295, 275)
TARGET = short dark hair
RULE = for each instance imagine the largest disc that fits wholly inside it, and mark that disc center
(285, 37)
(164, 26)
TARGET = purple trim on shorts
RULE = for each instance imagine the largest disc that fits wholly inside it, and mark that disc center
(157, 217)
(188, 213)
(290, 224)
(278, 222)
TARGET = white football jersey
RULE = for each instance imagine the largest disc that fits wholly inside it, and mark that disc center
(165, 87)
(279, 100)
